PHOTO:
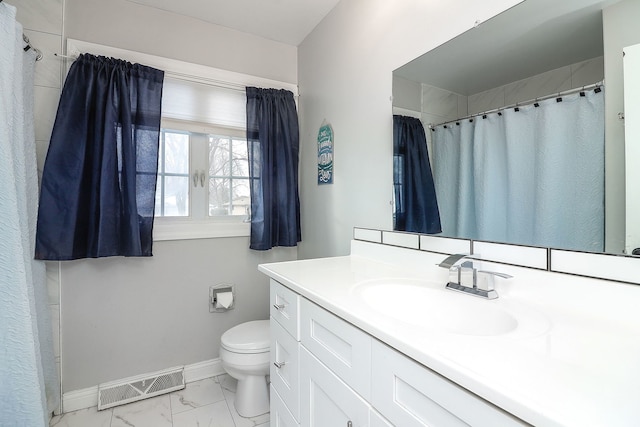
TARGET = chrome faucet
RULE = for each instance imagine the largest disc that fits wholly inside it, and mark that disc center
(464, 277)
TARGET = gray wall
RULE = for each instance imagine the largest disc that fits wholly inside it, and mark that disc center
(127, 316)
(345, 72)
(123, 317)
(128, 25)
(106, 341)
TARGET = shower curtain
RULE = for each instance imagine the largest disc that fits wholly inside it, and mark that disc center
(532, 176)
(29, 387)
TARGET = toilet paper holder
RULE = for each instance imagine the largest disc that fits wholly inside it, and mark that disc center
(217, 299)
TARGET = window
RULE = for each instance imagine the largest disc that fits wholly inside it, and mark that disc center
(203, 170)
(203, 181)
(228, 176)
(172, 188)
(195, 99)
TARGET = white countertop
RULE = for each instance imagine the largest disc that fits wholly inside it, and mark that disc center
(580, 368)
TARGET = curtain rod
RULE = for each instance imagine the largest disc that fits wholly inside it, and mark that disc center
(188, 77)
(29, 45)
(184, 77)
(595, 86)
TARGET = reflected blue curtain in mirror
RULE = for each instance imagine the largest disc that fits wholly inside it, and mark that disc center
(99, 178)
(273, 144)
(533, 176)
(415, 203)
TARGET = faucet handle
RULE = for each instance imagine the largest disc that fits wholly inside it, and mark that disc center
(485, 279)
(451, 260)
(496, 273)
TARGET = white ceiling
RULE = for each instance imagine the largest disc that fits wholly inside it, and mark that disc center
(285, 21)
(531, 38)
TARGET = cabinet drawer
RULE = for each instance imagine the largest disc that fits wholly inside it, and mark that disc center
(328, 401)
(408, 394)
(280, 415)
(345, 349)
(285, 308)
(285, 367)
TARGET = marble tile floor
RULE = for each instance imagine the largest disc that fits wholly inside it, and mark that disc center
(205, 403)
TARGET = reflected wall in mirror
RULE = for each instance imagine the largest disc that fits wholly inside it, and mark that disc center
(536, 50)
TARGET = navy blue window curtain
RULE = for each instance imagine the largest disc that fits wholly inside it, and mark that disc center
(273, 144)
(98, 185)
(416, 207)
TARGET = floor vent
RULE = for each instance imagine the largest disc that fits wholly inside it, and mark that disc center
(140, 387)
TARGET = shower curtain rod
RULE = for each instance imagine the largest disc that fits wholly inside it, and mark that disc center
(524, 103)
(30, 46)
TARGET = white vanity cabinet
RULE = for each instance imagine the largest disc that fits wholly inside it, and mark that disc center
(334, 374)
(280, 414)
(410, 395)
(326, 400)
(285, 355)
(377, 420)
(343, 348)
(285, 308)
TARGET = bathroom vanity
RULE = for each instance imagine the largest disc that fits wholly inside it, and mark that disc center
(375, 339)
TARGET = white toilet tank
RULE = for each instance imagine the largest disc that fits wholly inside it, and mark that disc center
(249, 337)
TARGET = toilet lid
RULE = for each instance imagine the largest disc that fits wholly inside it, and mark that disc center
(249, 337)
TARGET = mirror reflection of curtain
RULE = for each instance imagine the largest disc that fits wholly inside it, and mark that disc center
(533, 176)
(415, 203)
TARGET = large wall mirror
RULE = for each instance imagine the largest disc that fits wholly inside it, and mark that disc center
(538, 53)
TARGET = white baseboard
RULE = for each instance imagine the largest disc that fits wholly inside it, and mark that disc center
(88, 397)
(80, 399)
(201, 370)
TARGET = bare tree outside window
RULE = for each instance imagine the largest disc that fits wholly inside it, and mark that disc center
(184, 157)
(228, 176)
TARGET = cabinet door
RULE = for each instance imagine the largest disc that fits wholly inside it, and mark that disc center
(285, 308)
(325, 400)
(280, 415)
(377, 420)
(410, 395)
(345, 349)
(285, 367)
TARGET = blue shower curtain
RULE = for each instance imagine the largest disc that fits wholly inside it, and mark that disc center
(99, 178)
(533, 176)
(415, 202)
(273, 144)
(29, 384)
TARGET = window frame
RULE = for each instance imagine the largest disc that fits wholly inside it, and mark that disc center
(200, 226)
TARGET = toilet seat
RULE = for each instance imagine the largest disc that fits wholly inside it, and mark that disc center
(249, 337)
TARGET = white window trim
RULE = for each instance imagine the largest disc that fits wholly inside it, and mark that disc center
(206, 128)
(178, 228)
(184, 228)
(180, 69)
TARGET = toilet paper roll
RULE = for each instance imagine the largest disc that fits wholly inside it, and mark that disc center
(224, 299)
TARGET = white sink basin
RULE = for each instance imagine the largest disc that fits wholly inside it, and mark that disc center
(427, 304)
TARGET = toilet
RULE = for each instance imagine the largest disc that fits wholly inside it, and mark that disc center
(244, 352)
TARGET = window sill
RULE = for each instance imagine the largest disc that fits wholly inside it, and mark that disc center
(171, 229)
